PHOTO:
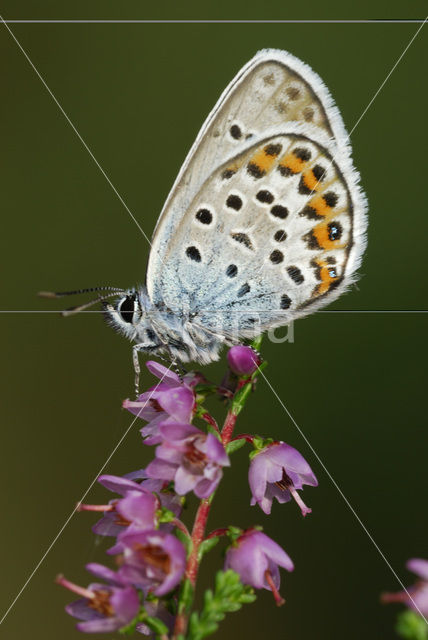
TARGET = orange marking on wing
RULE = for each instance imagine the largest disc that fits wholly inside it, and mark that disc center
(310, 180)
(263, 160)
(325, 274)
(321, 233)
(292, 162)
(321, 207)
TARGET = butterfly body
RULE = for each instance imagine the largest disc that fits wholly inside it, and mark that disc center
(161, 332)
(264, 224)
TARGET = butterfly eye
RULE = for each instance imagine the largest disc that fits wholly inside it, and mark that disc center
(126, 308)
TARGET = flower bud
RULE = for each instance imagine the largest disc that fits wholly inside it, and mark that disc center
(243, 360)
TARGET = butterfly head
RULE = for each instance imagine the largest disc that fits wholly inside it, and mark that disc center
(128, 313)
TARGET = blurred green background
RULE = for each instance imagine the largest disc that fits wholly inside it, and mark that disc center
(355, 383)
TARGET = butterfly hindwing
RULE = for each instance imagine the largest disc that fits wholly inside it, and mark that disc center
(273, 233)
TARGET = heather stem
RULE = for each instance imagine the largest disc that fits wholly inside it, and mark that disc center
(198, 532)
(229, 426)
(192, 567)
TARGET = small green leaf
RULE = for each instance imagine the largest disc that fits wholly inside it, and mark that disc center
(214, 431)
(235, 445)
(247, 598)
(165, 515)
(206, 546)
(412, 626)
(186, 597)
(259, 444)
(229, 595)
(187, 542)
(233, 533)
(205, 388)
(129, 629)
(157, 626)
(257, 342)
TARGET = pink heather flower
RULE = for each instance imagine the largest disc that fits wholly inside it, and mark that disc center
(256, 558)
(189, 457)
(168, 498)
(103, 607)
(243, 360)
(153, 561)
(171, 400)
(136, 510)
(279, 471)
(416, 597)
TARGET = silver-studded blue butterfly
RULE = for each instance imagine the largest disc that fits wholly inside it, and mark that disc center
(264, 224)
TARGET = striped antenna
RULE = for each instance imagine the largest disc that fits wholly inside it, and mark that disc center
(113, 291)
(61, 294)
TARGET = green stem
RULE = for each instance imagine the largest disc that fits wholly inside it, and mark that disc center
(198, 532)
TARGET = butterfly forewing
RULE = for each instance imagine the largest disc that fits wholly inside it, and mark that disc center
(274, 88)
(268, 236)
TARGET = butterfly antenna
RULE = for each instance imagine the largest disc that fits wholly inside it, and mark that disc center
(61, 294)
(72, 310)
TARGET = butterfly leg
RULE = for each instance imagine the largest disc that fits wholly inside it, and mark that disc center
(137, 368)
(141, 346)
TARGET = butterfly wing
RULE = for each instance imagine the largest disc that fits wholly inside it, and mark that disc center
(273, 89)
(275, 232)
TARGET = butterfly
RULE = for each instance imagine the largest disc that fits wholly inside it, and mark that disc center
(264, 224)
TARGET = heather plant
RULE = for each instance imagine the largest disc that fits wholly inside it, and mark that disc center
(156, 555)
(412, 622)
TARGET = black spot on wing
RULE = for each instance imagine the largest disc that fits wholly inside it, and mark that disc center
(235, 132)
(295, 274)
(279, 211)
(242, 238)
(319, 172)
(280, 235)
(311, 240)
(276, 257)
(204, 216)
(265, 196)
(244, 290)
(273, 150)
(193, 253)
(330, 198)
(232, 270)
(285, 302)
(254, 170)
(310, 212)
(334, 230)
(302, 153)
(228, 173)
(234, 202)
